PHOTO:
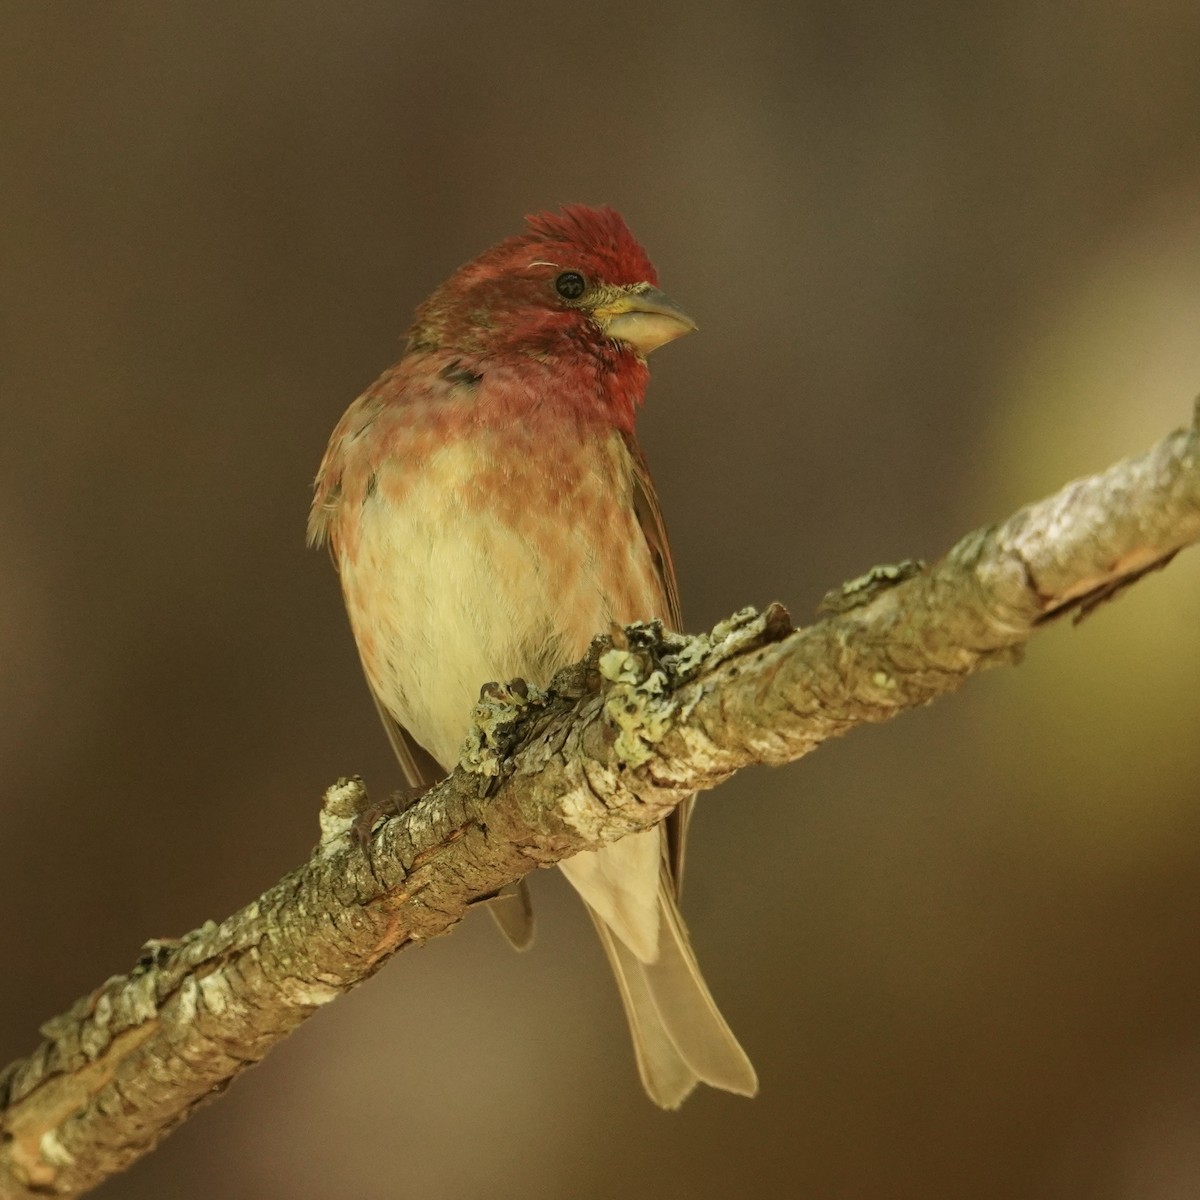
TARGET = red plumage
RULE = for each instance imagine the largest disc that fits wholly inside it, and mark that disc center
(594, 240)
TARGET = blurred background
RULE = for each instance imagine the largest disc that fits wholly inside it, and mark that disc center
(944, 257)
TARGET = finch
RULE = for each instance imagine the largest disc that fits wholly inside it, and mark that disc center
(489, 511)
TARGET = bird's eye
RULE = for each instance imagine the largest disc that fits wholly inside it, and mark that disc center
(570, 285)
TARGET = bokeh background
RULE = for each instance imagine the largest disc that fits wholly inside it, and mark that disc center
(944, 257)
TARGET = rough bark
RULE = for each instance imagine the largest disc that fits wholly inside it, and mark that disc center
(618, 741)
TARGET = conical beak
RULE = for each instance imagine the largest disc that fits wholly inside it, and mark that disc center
(646, 319)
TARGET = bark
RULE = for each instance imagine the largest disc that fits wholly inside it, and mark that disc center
(620, 738)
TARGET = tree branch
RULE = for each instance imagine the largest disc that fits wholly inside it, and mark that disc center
(617, 742)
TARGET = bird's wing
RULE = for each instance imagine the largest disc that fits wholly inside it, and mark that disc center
(654, 530)
(421, 769)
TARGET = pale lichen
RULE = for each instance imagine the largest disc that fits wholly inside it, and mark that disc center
(216, 992)
(342, 805)
(866, 587)
(53, 1151)
(729, 638)
(636, 704)
(307, 993)
(581, 807)
(645, 700)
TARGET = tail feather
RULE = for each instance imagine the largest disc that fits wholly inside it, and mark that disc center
(668, 1080)
(679, 1036)
(512, 910)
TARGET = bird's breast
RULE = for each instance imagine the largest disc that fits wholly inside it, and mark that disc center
(497, 554)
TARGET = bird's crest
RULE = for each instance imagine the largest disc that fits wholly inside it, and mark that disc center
(598, 234)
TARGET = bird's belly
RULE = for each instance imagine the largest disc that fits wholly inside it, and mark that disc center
(449, 587)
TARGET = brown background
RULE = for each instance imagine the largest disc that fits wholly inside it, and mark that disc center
(943, 257)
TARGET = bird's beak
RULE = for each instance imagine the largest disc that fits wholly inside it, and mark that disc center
(646, 319)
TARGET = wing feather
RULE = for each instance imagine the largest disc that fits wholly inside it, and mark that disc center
(649, 514)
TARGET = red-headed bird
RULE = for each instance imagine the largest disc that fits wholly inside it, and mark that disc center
(489, 511)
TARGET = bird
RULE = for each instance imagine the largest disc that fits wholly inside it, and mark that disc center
(489, 511)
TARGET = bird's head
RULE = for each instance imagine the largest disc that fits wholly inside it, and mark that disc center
(575, 282)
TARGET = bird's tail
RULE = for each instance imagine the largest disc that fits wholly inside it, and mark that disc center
(679, 1036)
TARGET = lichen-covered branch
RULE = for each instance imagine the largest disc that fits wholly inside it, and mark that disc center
(618, 741)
